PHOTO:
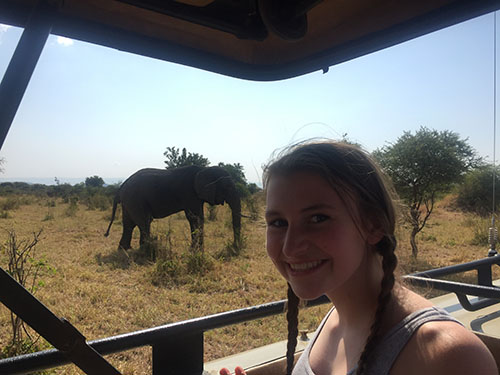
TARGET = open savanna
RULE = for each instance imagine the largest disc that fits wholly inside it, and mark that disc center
(104, 291)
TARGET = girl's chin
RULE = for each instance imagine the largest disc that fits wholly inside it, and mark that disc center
(306, 295)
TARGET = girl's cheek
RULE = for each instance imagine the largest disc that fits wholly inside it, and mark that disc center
(271, 247)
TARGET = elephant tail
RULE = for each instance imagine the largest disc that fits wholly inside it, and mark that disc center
(116, 200)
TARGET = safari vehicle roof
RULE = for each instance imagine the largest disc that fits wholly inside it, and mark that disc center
(250, 39)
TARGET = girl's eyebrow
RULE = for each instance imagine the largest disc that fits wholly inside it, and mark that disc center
(318, 206)
(271, 213)
(314, 207)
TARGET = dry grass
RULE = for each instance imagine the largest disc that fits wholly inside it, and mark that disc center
(104, 292)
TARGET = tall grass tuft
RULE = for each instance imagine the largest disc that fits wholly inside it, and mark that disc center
(168, 267)
(480, 229)
(253, 206)
(212, 212)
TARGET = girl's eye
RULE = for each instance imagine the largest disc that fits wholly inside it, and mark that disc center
(278, 223)
(318, 218)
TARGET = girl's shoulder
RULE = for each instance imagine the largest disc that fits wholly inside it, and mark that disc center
(439, 346)
(444, 347)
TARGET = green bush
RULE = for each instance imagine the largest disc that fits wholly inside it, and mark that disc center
(98, 201)
(475, 194)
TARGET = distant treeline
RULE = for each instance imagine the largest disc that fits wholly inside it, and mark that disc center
(59, 191)
(95, 196)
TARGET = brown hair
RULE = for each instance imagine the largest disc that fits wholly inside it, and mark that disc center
(363, 187)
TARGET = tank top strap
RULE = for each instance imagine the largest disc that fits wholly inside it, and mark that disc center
(395, 340)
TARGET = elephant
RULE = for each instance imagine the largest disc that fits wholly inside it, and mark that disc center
(156, 193)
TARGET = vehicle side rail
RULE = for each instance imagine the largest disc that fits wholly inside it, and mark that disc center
(488, 293)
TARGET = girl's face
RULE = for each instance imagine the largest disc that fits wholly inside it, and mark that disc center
(311, 236)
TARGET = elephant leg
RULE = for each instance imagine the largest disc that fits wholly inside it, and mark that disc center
(195, 218)
(145, 229)
(128, 228)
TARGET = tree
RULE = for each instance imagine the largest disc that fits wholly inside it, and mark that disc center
(238, 175)
(94, 181)
(424, 166)
(184, 158)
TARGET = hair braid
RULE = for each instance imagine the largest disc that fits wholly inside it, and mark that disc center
(385, 248)
(292, 315)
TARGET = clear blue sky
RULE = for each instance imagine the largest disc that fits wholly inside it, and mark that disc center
(91, 110)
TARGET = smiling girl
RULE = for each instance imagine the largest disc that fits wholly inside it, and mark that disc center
(330, 230)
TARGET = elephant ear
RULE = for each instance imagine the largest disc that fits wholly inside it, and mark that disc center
(205, 185)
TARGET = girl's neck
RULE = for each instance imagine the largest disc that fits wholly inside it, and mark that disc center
(357, 300)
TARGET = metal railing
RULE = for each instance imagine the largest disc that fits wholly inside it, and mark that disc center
(488, 293)
(178, 347)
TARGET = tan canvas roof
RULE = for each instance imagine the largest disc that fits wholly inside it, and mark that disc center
(252, 39)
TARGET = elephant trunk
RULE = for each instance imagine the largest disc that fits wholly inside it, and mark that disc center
(235, 205)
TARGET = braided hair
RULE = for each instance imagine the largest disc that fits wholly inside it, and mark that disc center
(363, 188)
(292, 317)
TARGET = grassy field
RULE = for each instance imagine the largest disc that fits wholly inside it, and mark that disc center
(105, 292)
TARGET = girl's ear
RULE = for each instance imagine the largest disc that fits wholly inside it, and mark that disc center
(374, 236)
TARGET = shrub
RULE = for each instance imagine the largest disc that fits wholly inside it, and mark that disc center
(253, 188)
(231, 249)
(11, 203)
(475, 194)
(73, 207)
(253, 207)
(26, 269)
(480, 229)
(198, 262)
(98, 202)
(48, 216)
(168, 267)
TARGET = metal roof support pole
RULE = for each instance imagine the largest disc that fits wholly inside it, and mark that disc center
(484, 275)
(58, 332)
(23, 63)
(179, 355)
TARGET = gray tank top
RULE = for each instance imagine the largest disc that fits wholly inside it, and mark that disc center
(389, 348)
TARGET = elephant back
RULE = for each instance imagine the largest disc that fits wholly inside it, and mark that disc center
(160, 191)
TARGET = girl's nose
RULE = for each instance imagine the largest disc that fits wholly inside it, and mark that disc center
(295, 242)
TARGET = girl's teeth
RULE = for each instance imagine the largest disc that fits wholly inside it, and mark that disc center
(304, 266)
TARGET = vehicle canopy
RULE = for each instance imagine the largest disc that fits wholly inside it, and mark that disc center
(251, 39)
